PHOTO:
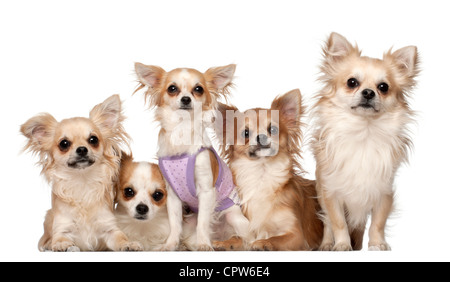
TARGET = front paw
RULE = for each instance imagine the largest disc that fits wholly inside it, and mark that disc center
(132, 247)
(327, 247)
(204, 248)
(168, 247)
(64, 246)
(342, 247)
(379, 246)
(262, 245)
(233, 244)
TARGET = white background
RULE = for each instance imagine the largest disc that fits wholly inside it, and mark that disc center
(63, 57)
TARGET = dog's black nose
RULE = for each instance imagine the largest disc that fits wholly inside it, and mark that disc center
(82, 151)
(262, 140)
(186, 100)
(142, 209)
(369, 94)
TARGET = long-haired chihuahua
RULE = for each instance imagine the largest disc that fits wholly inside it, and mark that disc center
(80, 159)
(263, 149)
(361, 139)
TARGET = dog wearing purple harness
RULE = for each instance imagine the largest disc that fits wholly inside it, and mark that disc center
(179, 172)
(184, 100)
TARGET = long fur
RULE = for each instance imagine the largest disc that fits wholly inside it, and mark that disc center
(81, 217)
(358, 151)
(280, 204)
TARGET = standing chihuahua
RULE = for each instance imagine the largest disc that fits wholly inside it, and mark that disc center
(361, 139)
(195, 174)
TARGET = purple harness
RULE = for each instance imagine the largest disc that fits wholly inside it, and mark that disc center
(179, 172)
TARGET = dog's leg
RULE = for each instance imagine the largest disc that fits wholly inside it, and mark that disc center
(113, 237)
(175, 212)
(292, 241)
(46, 239)
(240, 224)
(206, 192)
(62, 230)
(116, 240)
(328, 238)
(336, 217)
(380, 214)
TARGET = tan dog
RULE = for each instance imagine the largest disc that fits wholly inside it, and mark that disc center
(361, 139)
(80, 159)
(263, 152)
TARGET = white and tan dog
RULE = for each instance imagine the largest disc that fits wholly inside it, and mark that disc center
(183, 99)
(141, 198)
(361, 139)
(80, 159)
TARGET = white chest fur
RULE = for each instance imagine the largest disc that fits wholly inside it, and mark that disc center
(359, 156)
(257, 182)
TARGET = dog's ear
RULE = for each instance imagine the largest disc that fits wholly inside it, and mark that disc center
(220, 79)
(152, 77)
(40, 131)
(108, 115)
(406, 61)
(109, 119)
(290, 109)
(225, 123)
(126, 158)
(337, 47)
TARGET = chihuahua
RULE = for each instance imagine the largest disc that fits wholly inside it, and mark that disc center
(141, 211)
(361, 139)
(263, 149)
(80, 159)
(184, 100)
(141, 197)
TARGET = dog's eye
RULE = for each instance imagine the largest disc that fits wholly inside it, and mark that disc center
(383, 87)
(352, 83)
(128, 192)
(93, 140)
(246, 133)
(199, 90)
(158, 196)
(273, 130)
(172, 90)
(64, 145)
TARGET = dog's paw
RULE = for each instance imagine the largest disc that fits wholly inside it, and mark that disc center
(204, 248)
(328, 247)
(377, 247)
(63, 246)
(73, 249)
(168, 247)
(132, 247)
(262, 245)
(342, 247)
(233, 244)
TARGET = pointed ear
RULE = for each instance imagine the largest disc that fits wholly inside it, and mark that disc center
(108, 114)
(220, 78)
(290, 107)
(126, 158)
(225, 123)
(337, 46)
(40, 131)
(407, 60)
(150, 76)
